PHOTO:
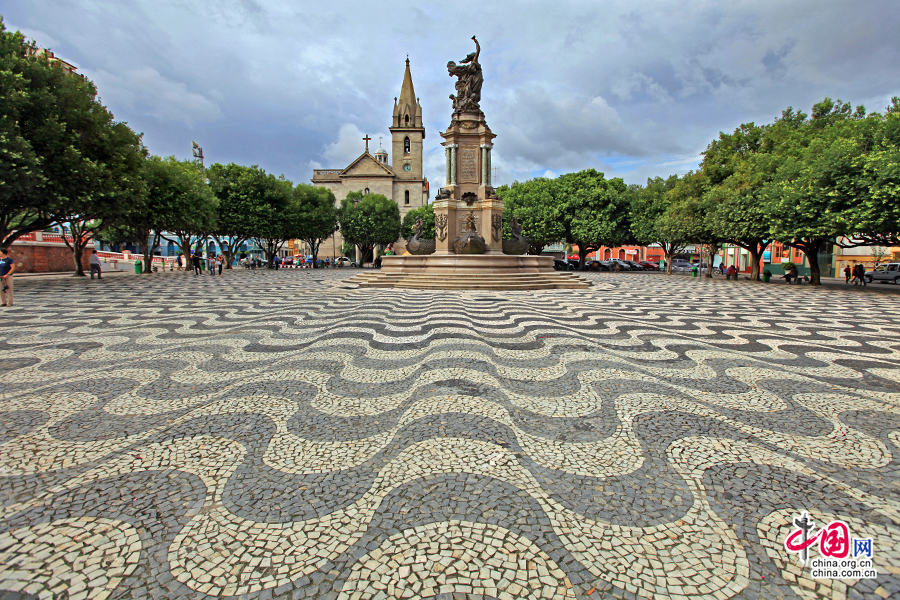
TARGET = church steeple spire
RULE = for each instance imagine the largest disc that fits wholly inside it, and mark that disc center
(407, 133)
(407, 111)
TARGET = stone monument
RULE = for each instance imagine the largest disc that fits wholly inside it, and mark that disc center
(469, 248)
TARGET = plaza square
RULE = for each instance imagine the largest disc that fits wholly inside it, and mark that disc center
(286, 434)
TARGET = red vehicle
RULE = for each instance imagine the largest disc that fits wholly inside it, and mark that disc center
(649, 265)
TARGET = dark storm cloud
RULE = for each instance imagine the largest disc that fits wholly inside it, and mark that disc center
(634, 89)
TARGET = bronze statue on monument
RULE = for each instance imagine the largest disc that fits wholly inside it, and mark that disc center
(468, 84)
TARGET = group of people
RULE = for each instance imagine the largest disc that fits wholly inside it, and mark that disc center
(858, 274)
(213, 263)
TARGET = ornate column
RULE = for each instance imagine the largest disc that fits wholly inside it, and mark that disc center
(486, 164)
(453, 149)
(447, 160)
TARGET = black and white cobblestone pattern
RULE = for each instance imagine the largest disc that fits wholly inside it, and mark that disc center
(286, 435)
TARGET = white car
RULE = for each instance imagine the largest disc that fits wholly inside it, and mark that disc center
(343, 261)
(885, 273)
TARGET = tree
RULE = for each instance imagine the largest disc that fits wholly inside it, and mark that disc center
(64, 157)
(176, 197)
(426, 213)
(196, 221)
(737, 166)
(593, 211)
(534, 207)
(648, 205)
(247, 200)
(278, 220)
(369, 220)
(837, 178)
(318, 216)
(688, 216)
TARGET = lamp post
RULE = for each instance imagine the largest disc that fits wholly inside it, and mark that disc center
(197, 151)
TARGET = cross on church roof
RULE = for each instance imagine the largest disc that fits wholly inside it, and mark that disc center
(367, 140)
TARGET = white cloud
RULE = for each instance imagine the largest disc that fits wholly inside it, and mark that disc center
(147, 89)
(350, 145)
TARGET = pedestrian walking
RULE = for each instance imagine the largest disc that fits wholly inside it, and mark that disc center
(211, 262)
(95, 265)
(862, 273)
(847, 274)
(220, 262)
(195, 259)
(178, 260)
(7, 268)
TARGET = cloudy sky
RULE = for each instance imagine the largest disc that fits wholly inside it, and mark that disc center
(634, 89)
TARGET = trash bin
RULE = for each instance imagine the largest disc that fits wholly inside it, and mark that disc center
(694, 272)
(138, 267)
(767, 276)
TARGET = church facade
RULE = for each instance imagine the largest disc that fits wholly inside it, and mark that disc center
(400, 179)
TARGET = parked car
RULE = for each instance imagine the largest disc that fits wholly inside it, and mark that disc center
(649, 265)
(563, 265)
(345, 262)
(623, 264)
(596, 265)
(680, 264)
(637, 265)
(885, 273)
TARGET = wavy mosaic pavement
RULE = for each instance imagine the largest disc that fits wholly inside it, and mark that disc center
(287, 435)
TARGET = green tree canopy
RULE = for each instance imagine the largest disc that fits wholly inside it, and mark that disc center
(426, 213)
(317, 216)
(368, 220)
(63, 157)
(649, 204)
(176, 197)
(250, 201)
(533, 205)
(594, 211)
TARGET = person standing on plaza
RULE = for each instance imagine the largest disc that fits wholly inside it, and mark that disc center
(7, 268)
(195, 260)
(179, 262)
(861, 273)
(220, 262)
(847, 274)
(95, 265)
(211, 262)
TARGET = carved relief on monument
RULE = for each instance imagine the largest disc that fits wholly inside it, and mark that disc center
(468, 161)
(440, 223)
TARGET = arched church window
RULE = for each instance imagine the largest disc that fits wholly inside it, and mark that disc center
(406, 144)
(407, 119)
(406, 196)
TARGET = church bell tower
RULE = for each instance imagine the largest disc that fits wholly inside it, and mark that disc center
(407, 132)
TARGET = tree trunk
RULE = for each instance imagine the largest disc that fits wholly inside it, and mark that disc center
(811, 249)
(713, 250)
(77, 245)
(149, 249)
(755, 256)
(77, 252)
(229, 249)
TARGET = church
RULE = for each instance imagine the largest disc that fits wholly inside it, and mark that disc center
(400, 180)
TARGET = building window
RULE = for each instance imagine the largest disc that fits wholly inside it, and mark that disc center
(366, 191)
(406, 144)
(407, 119)
(406, 196)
